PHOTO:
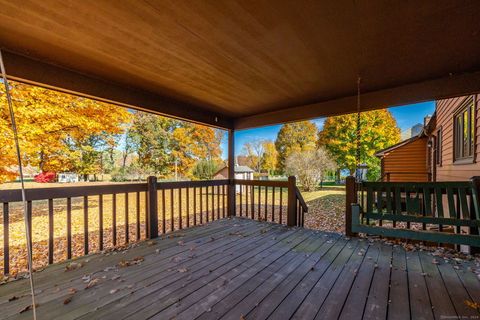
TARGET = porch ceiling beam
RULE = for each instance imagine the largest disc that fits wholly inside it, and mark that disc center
(28, 70)
(441, 88)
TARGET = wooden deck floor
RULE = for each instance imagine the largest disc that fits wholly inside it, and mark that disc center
(235, 269)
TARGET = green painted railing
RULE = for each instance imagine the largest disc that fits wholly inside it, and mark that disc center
(442, 212)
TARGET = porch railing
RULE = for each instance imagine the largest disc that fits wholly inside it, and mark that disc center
(441, 212)
(85, 219)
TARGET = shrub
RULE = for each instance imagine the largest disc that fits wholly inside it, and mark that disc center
(45, 177)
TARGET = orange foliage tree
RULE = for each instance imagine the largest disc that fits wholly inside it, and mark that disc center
(55, 129)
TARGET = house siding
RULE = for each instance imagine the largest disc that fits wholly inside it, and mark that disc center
(448, 170)
(407, 162)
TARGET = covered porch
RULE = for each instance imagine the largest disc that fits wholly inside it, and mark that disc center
(236, 65)
(237, 268)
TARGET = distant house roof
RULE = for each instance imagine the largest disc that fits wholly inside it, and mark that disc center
(381, 153)
(238, 169)
(241, 169)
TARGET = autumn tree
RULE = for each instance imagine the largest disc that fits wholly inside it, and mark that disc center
(159, 142)
(57, 130)
(193, 142)
(254, 152)
(310, 167)
(379, 130)
(270, 157)
(205, 169)
(295, 137)
(153, 138)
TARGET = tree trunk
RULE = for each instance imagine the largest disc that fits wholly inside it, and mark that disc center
(337, 176)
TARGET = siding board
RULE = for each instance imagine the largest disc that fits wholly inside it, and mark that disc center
(449, 171)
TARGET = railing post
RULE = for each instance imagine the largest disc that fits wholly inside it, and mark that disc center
(231, 200)
(152, 209)
(292, 202)
(350, 198)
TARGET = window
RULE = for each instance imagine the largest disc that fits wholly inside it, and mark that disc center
(464, 131)
(438, 146)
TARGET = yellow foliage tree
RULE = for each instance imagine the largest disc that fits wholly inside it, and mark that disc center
(270, 157)
(379, 130)
(53, 128)
(194, 142)
(295, 137)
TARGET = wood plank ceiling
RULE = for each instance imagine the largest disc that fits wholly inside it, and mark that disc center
(245, 63)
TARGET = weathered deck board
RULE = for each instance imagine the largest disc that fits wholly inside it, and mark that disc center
(234, 268)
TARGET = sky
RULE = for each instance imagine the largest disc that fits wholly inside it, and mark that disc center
(406, 117)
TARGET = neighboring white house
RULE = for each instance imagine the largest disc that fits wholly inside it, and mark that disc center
(241, 173)
(67, 177)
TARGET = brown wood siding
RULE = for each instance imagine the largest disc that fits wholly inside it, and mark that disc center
(448, 171)
(408, 162)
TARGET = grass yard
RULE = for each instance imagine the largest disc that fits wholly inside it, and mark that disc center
(326, 210)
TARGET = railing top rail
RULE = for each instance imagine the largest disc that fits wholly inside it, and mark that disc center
(413, 184)
(300, 199)
(262, 183)
(191, 184)
(70, 192)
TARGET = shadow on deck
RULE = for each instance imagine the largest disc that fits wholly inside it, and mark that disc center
(239, 268)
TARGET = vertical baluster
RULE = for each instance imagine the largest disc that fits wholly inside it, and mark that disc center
(246, 199)
(218, 202)
(69, 228)
(100, 222)
(50, 231)
(457, 208)
(206, 202)
(241, 199)
(266, 203)
(180, 224)
(114, 219)
(259, 202)
(273, 204)
(252, 199)
(194, 206)
(201, 205)
(127, 227)
(164, 212)
(147, 220)
(298, 213)
(6, 239)
(223, 200)
(213, 203)
(85, 225)
(188, 207)
(137, 226)
(281, 206)
(172, 209)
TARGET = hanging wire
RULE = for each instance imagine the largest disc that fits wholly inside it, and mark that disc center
(20, 170)
(358, 137)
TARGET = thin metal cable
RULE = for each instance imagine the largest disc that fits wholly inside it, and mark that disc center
(24, 199)
(358, 158)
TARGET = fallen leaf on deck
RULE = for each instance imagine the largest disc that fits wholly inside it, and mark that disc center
(113, 291)
(182, 270)
(473, 305)
(92, 283)
(29, 307)
(73, 266)
(68, 300)
(72, 290)
(134, 261)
